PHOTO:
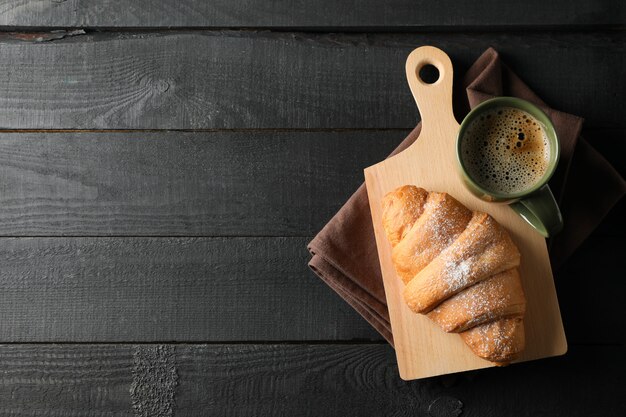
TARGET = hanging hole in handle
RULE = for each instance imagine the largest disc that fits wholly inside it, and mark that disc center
(429, 74)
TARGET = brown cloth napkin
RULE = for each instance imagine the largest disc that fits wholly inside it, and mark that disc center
(344, 252)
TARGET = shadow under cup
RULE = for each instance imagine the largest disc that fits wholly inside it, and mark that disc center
(534, 203)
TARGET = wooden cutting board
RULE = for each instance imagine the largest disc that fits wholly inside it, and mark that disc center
(422, 348)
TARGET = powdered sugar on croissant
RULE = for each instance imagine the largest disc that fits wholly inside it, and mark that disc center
(460, 268)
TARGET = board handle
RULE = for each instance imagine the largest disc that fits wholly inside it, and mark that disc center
(434, 100)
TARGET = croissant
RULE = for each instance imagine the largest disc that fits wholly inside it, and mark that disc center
(460, 268)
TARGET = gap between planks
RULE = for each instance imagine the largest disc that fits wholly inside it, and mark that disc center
(14, 32)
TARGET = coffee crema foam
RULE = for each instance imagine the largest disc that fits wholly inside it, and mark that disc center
(505, 150)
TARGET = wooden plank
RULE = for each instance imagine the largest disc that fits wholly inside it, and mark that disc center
(372, 15)
(590, 282)
(229, 289)
(181, 183)
(247, 79)
(270, 183)
(611, 143)
(167, 289)
(295, 380)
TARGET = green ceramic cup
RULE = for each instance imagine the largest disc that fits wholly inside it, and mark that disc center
(536, 204)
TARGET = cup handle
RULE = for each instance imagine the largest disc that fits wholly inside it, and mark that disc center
(540, 211)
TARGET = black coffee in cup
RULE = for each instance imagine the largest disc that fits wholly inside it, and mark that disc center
(506, 150)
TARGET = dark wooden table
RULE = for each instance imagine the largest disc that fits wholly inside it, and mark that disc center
(164, 163)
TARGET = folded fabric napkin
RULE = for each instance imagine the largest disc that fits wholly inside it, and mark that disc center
(344, 252)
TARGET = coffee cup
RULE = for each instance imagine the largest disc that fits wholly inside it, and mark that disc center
(507, 150)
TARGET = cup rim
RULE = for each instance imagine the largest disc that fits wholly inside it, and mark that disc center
(527, 107)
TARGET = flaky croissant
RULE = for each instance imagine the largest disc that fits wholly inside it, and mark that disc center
(460, 269)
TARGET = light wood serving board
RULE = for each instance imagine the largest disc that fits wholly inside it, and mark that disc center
(422, 348)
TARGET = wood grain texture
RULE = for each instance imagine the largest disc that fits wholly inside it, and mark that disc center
(359, 14)
(197, 184)
(179, 183)
(167, 289)
(246, 79)
(423, 350)
(587, 287)
(611, 143)
(303, 380)
(177, 289)
(230, 289)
